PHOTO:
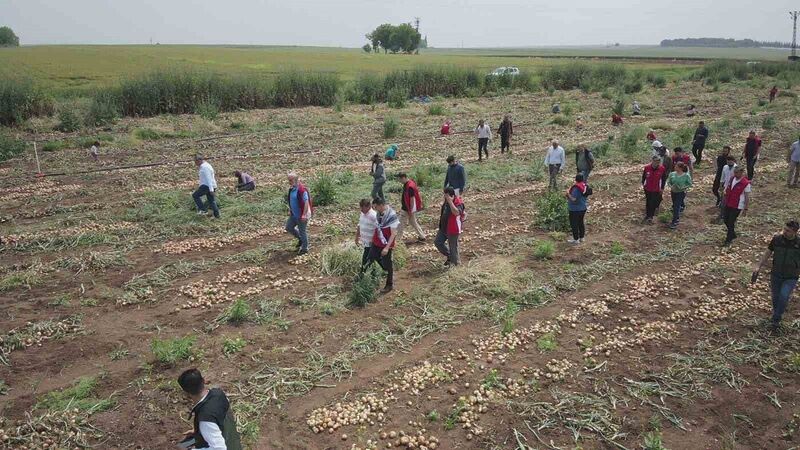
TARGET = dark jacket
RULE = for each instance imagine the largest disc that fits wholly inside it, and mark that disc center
(786, 257)
(216, 408)
(456, 177)
(506, 129)
(700, 135)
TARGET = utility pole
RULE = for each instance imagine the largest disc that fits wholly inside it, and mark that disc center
(794, 15)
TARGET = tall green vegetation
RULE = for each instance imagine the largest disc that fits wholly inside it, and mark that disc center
(551, 212)
(584, 76)
(394, 38)
(8, 38)
(20, 100)
(10, 147)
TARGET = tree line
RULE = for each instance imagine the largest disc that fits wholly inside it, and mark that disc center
(723, 43)
(395, 38)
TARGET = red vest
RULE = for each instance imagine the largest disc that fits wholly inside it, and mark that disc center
(733, 195)
(455, 223)
(684, 159)
(446, 128)
(411, 186)
(653, 177)
(301, 190)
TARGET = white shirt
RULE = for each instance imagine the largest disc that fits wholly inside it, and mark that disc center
(94, 150)
(210, 430)
(555, 156)
(207, 176)
(484, 132)
(795, 156)
(367, 224)
(747, 190)
(727, 175)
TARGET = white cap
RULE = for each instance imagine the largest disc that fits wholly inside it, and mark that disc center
(656, 144)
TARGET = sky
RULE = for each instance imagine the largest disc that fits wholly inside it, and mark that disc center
(343, 23)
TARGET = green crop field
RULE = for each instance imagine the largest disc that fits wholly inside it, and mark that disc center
(77, 69)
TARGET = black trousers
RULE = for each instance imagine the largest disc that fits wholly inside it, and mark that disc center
(751, 168)
(384, 261)
(730, 215)
(504, 144)
(697, 151)
(365, 258)
(715, 188)
(246, 186)
(483, 147)
(652, 202)
(577, 225)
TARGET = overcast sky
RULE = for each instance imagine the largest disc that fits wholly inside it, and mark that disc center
(448, 23)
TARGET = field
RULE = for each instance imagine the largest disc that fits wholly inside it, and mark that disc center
(642, 337)
(76, 70)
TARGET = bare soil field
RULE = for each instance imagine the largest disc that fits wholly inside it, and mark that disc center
(641, 337)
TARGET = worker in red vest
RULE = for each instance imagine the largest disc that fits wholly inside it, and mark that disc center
(737, 200)
(410, 205)
(654, 178)
(772, 93)
(384, 240)
(445, 128)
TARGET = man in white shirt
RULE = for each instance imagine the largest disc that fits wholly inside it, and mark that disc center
(208, 184)
(484, 133)
(794, 164)
(725, 179)
(554, 160)
(365, 231)
(214, 426)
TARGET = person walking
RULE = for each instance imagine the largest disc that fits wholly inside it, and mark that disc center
(666, 158)
(208, 185)
(699, 142)
(793, 158)
(383, 240)
(451, 221)
(737, 200)
(784, 248)
(679, 181)
(654, 178)
(94, 152)
(678, 155)
(576, 205)
(656, 145)
(410, 205)
(299, 201)
(584, 161)
(719, 164)
(378, 176)
(772, 93)
(505, 131)
(365, 231)
(244, 182)
(751, 152)
(554, 160)
(725, 181)
(456, 176)
(213, 423)
(483, 133)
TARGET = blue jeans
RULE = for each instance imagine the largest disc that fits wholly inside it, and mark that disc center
(297, 228)
(678, 205)
(212, 201)
(782, 288)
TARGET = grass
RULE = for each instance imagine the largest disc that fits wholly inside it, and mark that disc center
(551, 212)
(508, 316)
(21, 99)
(616, 248)
(365, 287)
(233, 346)
(80, 395)
(10, 146)
(653, 441)
(170, 351)
(323, 190)
(546, 343)
(238, 313)
(436, 109)
(341, 260)
(544, 250)
(391, 127)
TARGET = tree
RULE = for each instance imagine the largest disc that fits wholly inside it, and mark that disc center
(367, 48)
(391, 38)
(8, 38)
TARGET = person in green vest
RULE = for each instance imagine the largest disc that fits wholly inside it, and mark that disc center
(679, 181)
(214, 426)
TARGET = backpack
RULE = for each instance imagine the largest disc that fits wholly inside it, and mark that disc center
(589, 191)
